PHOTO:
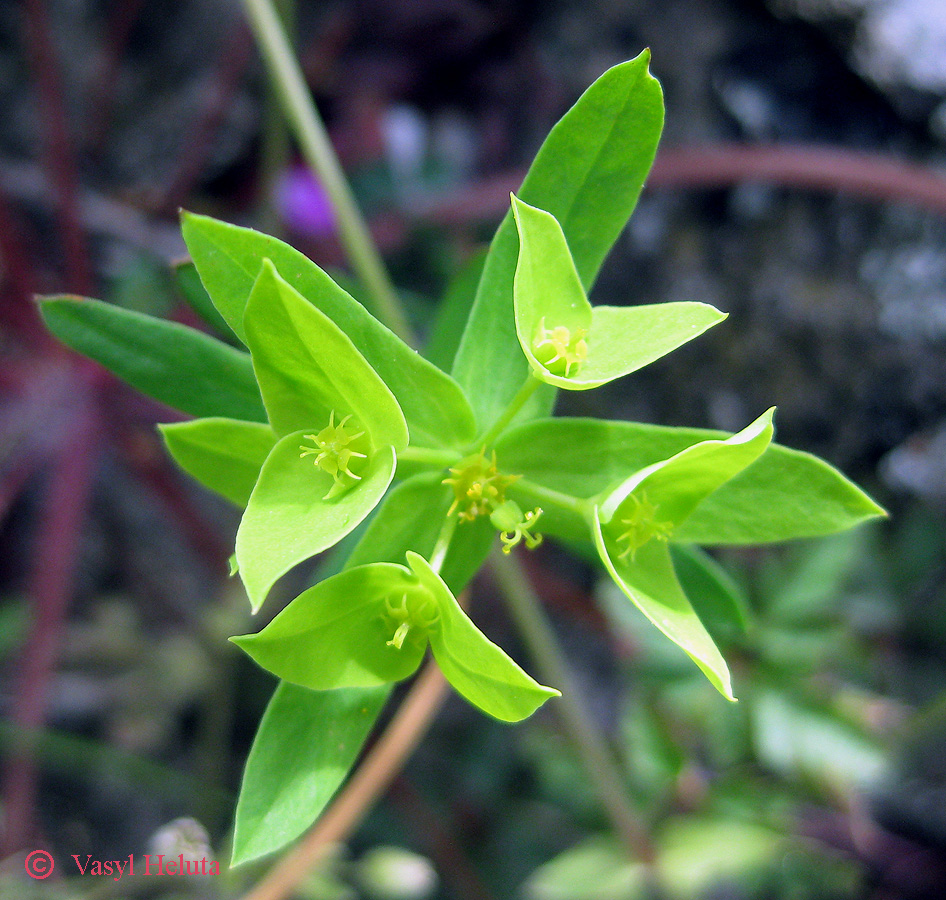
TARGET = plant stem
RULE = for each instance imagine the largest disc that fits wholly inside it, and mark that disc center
(437, 458)
(443, 543)
(526, 609)
(317, 150)
(554, 498)
(529, 387)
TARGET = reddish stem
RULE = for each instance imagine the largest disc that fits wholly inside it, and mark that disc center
(868, 175)
(831, 169)
(103, 91)
(64, 506)
(235, 55)
(57, 146)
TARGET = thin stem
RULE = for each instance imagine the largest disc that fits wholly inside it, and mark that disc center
(529, 387)
(428, 456)
(374, 774)
(526, 609)
(550, 497)
(443, 543)
(317, 150)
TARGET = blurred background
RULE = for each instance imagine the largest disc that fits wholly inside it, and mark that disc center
(801, 187)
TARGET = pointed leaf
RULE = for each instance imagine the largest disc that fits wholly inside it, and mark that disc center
(186, 369)
(679, 484)
(287, 519)
(474, 665)
(194, 292)
(335, 634)
(785, 494)
(588, 173)
(225, 455)
(308, 368)
(567, 342)
(229, 259)
(453, 312)
(306, 743)
(719, 602)
(650, 583)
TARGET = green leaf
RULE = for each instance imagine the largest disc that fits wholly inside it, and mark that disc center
(370, 624)
(225, 455)
(634, 521)
(308, 368)
(336, 634)
(184, 368)
(229, 259)
(679, 484)
(566, 341)
(650, 582)
(588, 174)
(785, 494)
(799, 740)
(194, 292)
(696, 854)
(474, 665)
(288, 519)
(453, 312)
(306, 743)
(411, 517)
(597, 868)
(717, 599)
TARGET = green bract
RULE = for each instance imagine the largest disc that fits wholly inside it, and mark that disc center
(330, 415)
(568, 342)
(634, 522)
(371, 624)
(320, 394)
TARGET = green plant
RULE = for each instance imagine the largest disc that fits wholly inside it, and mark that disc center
(330, 425)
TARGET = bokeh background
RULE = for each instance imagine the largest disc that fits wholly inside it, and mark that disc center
(801, 187)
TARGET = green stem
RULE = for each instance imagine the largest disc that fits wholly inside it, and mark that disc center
(548, 497)
(526, 609)
(439, 459)
(529, 387)
(443, 543)
(317, 151)
(275, 146)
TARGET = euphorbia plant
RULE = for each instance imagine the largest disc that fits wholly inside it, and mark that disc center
(328, 422)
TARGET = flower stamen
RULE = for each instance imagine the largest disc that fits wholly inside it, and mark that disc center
(478, 487)
(417, 612)
(559, 350)
(642, 526)
(334, 454)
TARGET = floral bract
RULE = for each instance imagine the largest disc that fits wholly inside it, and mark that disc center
(311, 377)
(371, 624)
(568, 342)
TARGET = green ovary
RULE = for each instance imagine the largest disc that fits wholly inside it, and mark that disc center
(559, 349)
(340, 452)
(641, 526)
(412, 614)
